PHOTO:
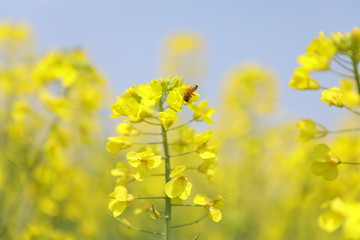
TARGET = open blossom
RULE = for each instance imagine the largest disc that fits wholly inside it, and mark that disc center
(205, 150)
(142, 162)
(324, 163)
(201, 113)
(179, 185)
(168, 118)
(119, 200)
(309, 130)
(301, 80)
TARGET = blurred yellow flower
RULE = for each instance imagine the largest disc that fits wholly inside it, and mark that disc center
(123, 173)
(318, 54)
(309, 130)
(115, 144)
(324, 163)
(301, 80)
(332, 218)
(213, 205)
(179, 186)
(205, 150)
(127, 129)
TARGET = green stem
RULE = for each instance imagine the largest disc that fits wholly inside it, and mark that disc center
(350, 109)
(182, 125)
(167, 179)
(344, 130)
(356, 72)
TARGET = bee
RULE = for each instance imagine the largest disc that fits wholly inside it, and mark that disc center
(189, 92)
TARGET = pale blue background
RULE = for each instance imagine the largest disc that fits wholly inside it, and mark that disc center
(124, 37)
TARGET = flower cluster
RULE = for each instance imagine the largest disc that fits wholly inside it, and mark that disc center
(339, 54)
(158, 104)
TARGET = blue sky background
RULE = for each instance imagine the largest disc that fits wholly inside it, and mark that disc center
(124, 37)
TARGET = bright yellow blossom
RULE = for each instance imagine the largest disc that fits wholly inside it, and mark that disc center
(179, 185)
(213, 205)
(302, 80)
(168, 118)
(150, 93)
(318, 54)
(142, 162)
(119, 200)
(205, 150)
(175, 98)
(324, 163)
(201, 113)
(115, 144)
(332, 96)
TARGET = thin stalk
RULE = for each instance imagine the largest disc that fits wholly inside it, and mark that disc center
(139, 229)
(190, 223)
(146, 143)
(344, 130)
(182, 154)
(342, 64)
(350, 163)
(167, 179)
(350, 109)
(138, 198)
(151, 123)
(356, 72)
(186, 205)
(182, 125)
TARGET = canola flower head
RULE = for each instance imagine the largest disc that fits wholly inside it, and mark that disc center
(324, 163)
(318, 54)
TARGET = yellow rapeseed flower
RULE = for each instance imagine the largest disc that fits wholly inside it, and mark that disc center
(115, 144)
(179, 185)
(213, 205)
(150, 93)
(201, 113)
(142, 162)
(324, 163)
(119, 200)
(168, 118)
(309, 130)
(127, 129)
(205, 150)
(334, 215)
(302, 80)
